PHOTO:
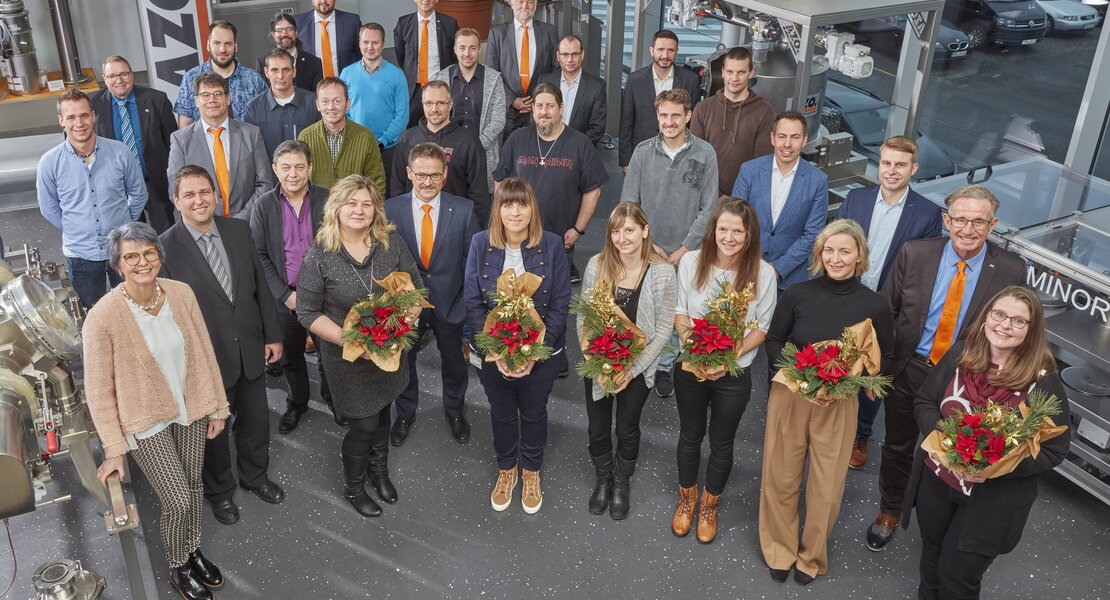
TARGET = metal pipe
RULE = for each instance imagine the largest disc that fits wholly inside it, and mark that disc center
(62, 21)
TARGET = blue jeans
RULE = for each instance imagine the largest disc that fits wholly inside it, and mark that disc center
(868, 410)
(87, 278)
(669, 354)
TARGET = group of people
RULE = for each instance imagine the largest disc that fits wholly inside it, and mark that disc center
(277, 200)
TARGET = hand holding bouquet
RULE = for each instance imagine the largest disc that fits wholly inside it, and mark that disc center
(610, 341)
(712, 345)
(833, 370)
(513, 331)
(381, 325)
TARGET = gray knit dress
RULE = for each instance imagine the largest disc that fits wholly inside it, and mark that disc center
(330, 283)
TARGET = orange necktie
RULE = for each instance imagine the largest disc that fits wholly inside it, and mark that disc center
(220, 160)
(422, 66)
(427, 237)
(949, 315)
(325, 50)
(525, 61)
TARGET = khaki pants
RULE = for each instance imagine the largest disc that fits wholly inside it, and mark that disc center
(797, 428)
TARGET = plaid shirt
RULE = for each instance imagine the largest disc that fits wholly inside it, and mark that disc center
(334, 143)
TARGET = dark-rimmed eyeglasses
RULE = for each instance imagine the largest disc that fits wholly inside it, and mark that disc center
(999, 316)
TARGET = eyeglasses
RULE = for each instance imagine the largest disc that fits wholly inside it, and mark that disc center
(150, 255)
(206, 96)
(426, 176)
(1018, 322)
(570, 55)
(285, 29)
(436, 103)
(961, 222)
(118, 76)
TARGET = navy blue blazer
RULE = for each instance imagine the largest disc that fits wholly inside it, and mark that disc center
(455, 225)
(345, 25)
(920, 219)
(788, 244)
(548, 260)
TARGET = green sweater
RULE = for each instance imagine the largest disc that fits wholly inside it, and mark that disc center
(358, 155)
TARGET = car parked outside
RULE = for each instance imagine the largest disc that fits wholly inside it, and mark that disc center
(1069, 15)
(951, 43)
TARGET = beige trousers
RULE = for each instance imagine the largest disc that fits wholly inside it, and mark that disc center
(797, 428)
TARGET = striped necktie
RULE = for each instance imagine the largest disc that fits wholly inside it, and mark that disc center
(127, 132)
(213, 257)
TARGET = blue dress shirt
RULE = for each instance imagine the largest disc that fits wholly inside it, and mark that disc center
(880, 233)
(117, 126)
(945, 272)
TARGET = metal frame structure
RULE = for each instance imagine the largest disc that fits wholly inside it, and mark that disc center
(1090, 123)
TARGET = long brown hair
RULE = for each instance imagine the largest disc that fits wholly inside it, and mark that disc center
(1029, 359)
(748, 269)
(514, 190)
(609, 265)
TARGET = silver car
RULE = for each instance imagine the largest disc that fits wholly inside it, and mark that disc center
(1069, 15)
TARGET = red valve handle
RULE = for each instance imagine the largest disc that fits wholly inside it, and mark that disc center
(52, 441)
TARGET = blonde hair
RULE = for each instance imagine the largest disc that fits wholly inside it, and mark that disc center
(514, 190)
(328, 237)
(840, 226)
(609, 265)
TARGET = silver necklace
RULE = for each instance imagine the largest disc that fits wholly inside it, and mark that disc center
(544, 155)
(151, 306)
(360, 279)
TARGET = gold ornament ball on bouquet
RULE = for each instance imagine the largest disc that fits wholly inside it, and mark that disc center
(947, 443)
(606, 368)
(996, 413)
(803, 386)
(526, 348)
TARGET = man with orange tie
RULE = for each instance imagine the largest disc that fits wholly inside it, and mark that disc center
(522, 49)
(437, 228)
(330, 35)
(935, 287)
(422, 42)
(232, 151)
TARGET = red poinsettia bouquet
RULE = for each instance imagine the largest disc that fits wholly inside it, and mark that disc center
(713, 342)
(381, 325)
(513, 330)
(834, 370)
(610, 341)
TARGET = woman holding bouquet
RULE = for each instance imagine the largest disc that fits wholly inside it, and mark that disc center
(516, 240)
(967, 521)
(730, 253)
(643, 287)
(355, 246)
(809, 312)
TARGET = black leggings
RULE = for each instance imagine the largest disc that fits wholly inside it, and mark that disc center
(630, 404)
(728, 397)
(360, 437)
(947, 573)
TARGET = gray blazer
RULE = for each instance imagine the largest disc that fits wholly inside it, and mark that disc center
(493, 114)
(654, 316)
(249, 170)
(501, 54)
(266, 231)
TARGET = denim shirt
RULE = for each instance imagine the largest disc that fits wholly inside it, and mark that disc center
(244, 85)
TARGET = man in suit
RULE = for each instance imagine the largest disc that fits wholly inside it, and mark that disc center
(330, 35)
(422, 42)
(307, 67)
(935, 287)
(243, 82)
(891, 214)
(142, 118)
(583, 94)
(791, 197)
(522, 49)
(284, 111)
(232, 151)
(216, 257)
(437, 228)
(340, 147)
(477, 97)
(638, 121)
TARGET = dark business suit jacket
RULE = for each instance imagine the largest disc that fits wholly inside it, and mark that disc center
(998, 508)
(638, 120)
(920, 220)
(909, 287)
(501, 55)
(239, 329)
(250, 171)
(455, 225)
(406, 44)
(588, 113)
(309, 70)
(156, 124)
(345, 26)
(266, 232)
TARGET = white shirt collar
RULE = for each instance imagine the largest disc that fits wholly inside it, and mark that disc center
(574, 82)
(670, 74)
(227, 121)
(517, 24)
(775, 167)
(330, 18)
(431, 18)
(417, 204)
(902, 199)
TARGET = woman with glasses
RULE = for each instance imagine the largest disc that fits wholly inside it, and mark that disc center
(967, 521)
(140, 341)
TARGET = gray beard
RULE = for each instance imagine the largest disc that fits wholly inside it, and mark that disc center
(287, 46)
(545, 129)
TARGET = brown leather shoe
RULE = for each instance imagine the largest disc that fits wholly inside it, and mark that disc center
(707, 518)
(309, 345)
(859, 454)
(881, 532)
(684, 512)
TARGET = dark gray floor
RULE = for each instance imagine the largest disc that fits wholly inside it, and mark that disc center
(442, 539)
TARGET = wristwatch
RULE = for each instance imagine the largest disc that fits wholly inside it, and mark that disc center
(580, 231)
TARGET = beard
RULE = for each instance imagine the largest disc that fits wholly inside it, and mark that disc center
(287, 45)
(545, 129)
(223, 65)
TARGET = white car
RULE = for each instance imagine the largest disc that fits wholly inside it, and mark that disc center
(1069, 15)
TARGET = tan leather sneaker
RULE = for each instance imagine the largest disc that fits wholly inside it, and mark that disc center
(502, 495)
(531, 496)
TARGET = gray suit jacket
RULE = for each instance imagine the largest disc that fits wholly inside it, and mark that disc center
(249, 171)
(266, 231)
(492, 122)
(588, 113)
(501, 55)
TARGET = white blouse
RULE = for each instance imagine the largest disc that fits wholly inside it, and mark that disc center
(167, 346)
(514, 259)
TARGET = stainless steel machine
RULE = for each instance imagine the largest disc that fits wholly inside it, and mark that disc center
(19, 63)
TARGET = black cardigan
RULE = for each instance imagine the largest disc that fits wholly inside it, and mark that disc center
(998, 507)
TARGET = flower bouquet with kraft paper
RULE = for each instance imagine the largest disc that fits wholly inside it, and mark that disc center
(833, 370)
(713, 343)
(513, 331)
(610, 341)
(382, 325)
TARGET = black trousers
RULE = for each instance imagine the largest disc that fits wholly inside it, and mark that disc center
(250, 425)
(387, 163)
(518, 410)
(452, 369)
(514, 120)
(630, 405)
(901, 437)
(727, 397)
(947, 573)
(294, 366)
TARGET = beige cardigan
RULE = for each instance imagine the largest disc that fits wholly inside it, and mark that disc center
(125, 389)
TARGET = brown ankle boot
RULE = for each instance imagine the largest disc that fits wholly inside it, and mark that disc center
(707, 518)
(684, 512)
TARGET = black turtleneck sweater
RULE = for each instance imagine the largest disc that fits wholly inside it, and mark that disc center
(820, 309)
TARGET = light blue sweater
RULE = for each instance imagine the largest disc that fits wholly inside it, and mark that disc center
(379, 102)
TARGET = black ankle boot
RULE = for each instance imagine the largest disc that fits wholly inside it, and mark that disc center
(206, 572)
(379, 466)
(186, 584)
(622, 482)
(603, 490)
(354, 485)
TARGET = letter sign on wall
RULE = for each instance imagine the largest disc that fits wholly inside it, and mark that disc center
(175, 37)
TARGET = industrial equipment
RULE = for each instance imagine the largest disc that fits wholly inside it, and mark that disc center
(19, 64)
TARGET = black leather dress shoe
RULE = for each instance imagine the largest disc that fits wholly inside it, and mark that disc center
(460, 429)
(187, 585)
(400, 430)
(274, 369)
(205, 572)
(268, 492)
(290, 420)
(779, 575)
(801, 578)
(225, 512)
(564, 371)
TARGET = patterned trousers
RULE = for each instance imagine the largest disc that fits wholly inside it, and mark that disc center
(172, 460)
